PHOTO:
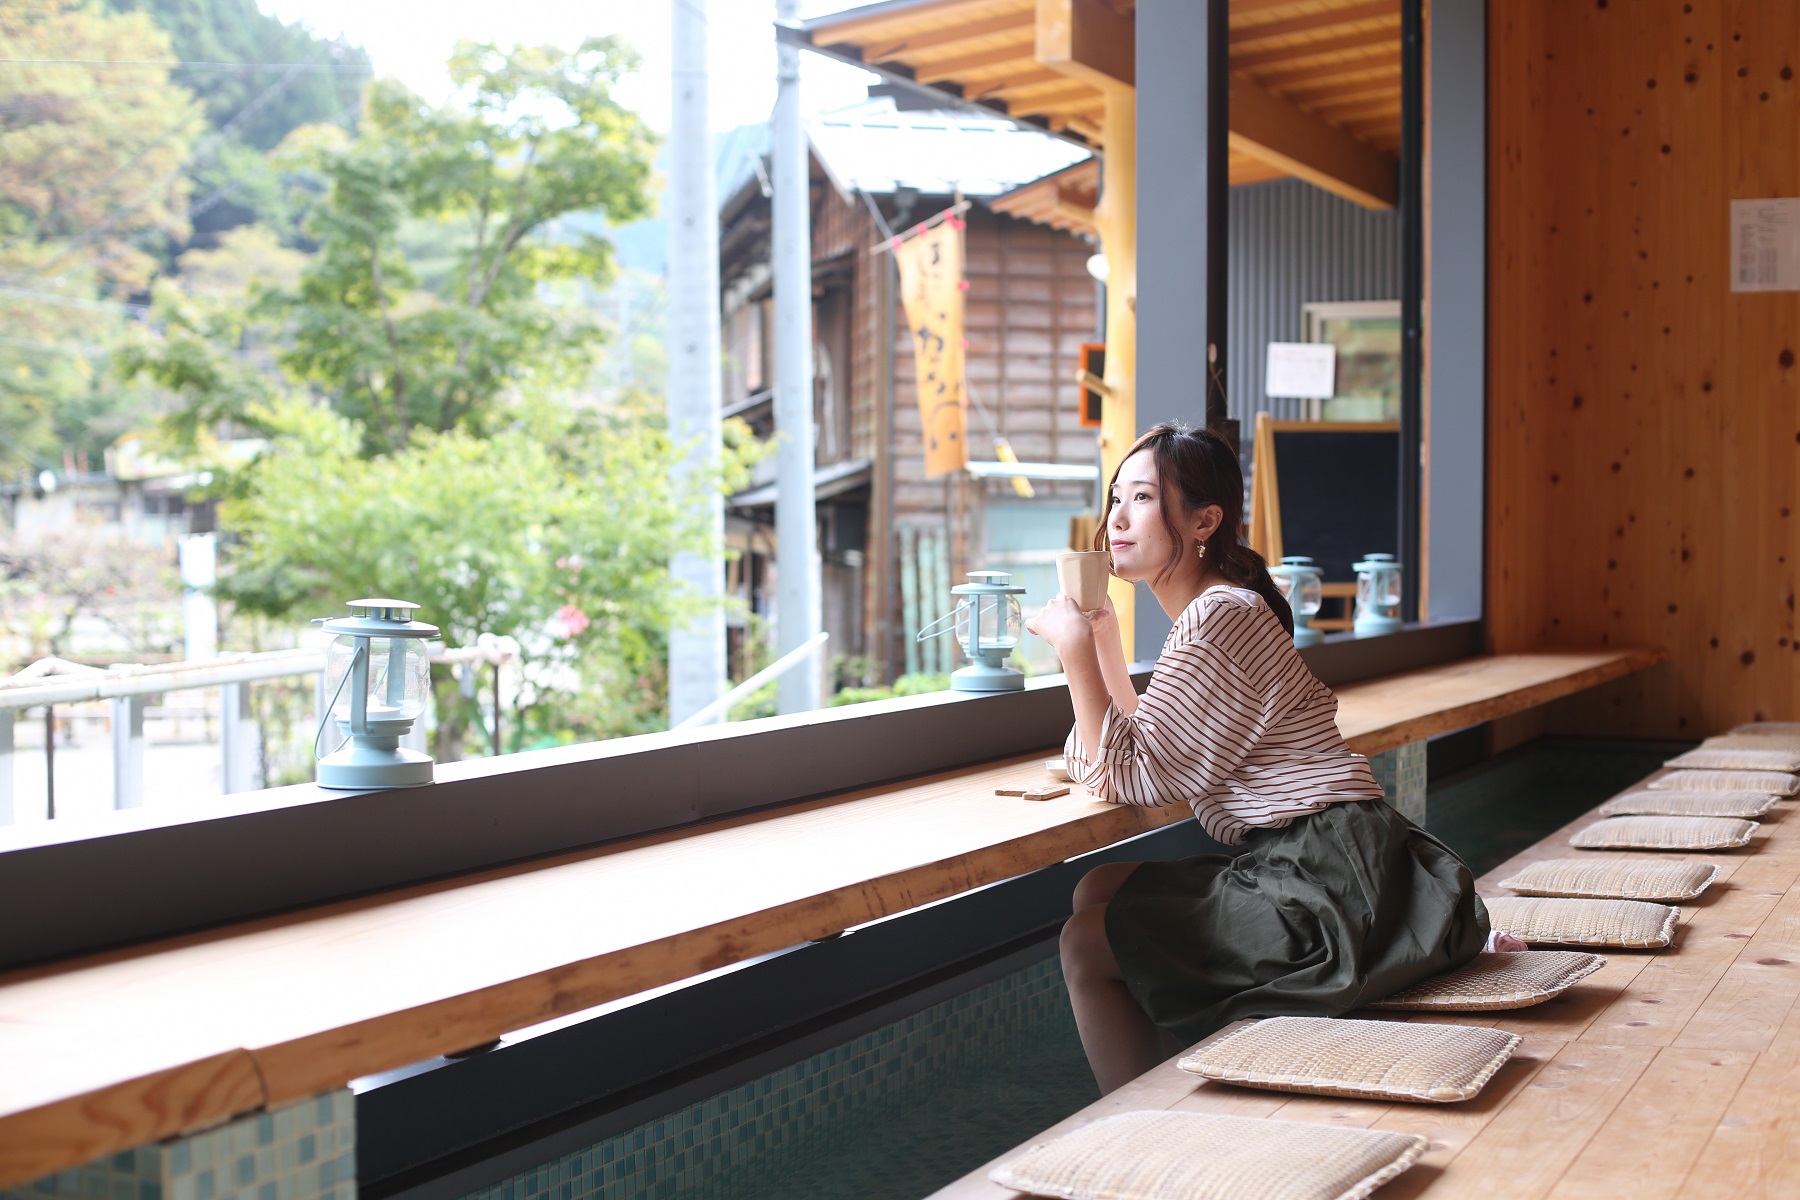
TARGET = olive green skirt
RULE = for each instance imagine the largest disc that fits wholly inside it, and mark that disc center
(1339, 909)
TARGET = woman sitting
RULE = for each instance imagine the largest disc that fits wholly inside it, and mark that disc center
(1332, 900)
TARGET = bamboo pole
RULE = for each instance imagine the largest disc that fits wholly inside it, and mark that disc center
(1116, 215)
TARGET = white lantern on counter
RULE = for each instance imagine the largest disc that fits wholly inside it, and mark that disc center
(1377, 595)
(378, 674)
(1304, 586)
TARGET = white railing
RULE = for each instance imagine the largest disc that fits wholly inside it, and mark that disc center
(805, 651)
(50, 682)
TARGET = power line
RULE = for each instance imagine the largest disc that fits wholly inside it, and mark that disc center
(207, 147)
(336, 68)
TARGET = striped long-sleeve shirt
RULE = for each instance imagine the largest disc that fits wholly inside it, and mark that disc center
(1233, 723)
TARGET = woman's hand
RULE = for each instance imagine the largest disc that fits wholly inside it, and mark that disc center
(1105, 621)
(1061, 623)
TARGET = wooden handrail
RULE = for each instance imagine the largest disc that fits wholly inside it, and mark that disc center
(111, 1050)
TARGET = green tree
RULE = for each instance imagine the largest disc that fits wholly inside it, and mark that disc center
(555, 531)
(91, 196)
(540, 137)
(420, 386)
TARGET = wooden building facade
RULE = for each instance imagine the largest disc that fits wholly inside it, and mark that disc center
(892, 542)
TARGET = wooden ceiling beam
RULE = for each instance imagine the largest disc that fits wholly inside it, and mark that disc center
(1300, 51)
(868, 28)
(1256, 8)
(1020, 85)
(1079, 99)
(1371, 85)
(1269, 129)
(1311, 22)
(1345, 111)
(1088, 41)
(1372, 58)
(886, 48)
(969, 64)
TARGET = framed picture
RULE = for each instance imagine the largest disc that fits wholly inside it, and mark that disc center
(1367, 336)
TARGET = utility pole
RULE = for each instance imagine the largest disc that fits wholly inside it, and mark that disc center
(696, 649)
(796, 529)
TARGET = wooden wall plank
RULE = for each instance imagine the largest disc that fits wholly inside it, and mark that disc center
(1644, 421)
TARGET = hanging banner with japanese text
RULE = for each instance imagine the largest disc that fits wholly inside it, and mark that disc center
(931, 288)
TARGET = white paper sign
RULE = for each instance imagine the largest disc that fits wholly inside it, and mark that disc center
(1765, 245)
(1301, 371)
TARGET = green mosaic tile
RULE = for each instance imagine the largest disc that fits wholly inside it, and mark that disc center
(766, 1137)
(306, 1151)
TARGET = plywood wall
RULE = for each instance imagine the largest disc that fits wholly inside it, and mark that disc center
(1644, 421)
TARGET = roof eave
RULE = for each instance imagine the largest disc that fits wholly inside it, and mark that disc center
(802, 36)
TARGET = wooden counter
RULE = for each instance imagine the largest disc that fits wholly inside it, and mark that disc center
(108, 1051)
(1665, 1073)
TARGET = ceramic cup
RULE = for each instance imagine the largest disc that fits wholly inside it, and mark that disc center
(1082, 576)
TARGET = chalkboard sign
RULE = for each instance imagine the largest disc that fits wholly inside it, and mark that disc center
(1327, 489)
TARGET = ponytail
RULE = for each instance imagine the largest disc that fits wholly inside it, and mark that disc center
(1203, 468)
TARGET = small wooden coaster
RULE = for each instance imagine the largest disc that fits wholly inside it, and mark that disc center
(1049, 791)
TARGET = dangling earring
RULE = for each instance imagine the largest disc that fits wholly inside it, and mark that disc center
(1201, 547)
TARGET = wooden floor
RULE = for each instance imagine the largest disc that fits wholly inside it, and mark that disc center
(1667, 1073)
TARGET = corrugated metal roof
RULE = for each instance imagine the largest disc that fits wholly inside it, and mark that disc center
(878, 148)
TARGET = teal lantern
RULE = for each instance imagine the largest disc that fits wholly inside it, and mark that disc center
(988, 626)
(1377, 596)
(1304, 586)
(378, 673)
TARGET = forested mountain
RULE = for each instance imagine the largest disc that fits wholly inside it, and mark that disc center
(237, 31)
(284, 78)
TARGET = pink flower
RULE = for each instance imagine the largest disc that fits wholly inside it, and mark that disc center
(569, 621)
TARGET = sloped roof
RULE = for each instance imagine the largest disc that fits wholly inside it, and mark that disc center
(879, 148)
(1315, 83)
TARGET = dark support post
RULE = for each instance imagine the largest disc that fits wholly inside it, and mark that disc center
(49, 761)
(1182, 192)
(1217, 210)
(1412, 295)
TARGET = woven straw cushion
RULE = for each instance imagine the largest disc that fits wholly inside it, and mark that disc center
(1768, 729)
(1743, 805)
(1752, 741)
(1205, 1156)
(1371, 1060)
(1511, 979)
(1665, 833)
(1559, 921)
(1775, 758)
(1613, 879)
(1775, 783)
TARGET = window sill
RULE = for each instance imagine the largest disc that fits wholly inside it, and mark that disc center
(146, 873)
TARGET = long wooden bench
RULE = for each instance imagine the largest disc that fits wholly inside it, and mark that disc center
(1666, 1073)
(109, 1051)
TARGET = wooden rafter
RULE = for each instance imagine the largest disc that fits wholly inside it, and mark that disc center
(886, 49)
(1040, 85)
(1313, 22)
(1268, 128)
(1256, 8)
(1088, 41)
(1320, 48)
(999, 89)
(1384, 83)
(1357, 66)
(971, 65)
(893, 23)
